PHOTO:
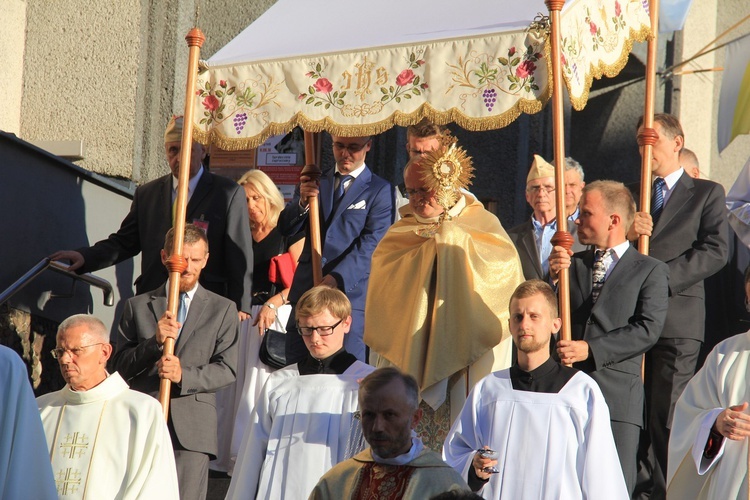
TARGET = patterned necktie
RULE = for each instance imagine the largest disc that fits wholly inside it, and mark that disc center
(657, 199)
(600, 271)
(182, 309)
(340, 189)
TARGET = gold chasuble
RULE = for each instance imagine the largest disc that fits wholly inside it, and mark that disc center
(438, 297)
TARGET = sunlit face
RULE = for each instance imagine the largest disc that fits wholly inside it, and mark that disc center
(594, 221)
(196, 256)
(86, 368)
(421, 200)
(257, 208)
(197, 155)
(418, 146)
(350, 152)
(387, 419)
(531, 323)
(540, 195)
(665, 156)
(573, 189)
(321, 347)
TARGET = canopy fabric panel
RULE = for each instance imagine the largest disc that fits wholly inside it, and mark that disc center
(353, 70)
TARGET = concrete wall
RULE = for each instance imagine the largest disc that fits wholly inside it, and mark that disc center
(108, 73)
(13, 27)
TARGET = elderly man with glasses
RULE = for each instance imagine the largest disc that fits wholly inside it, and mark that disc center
(105, 440)
(304, 422)
(356, 209)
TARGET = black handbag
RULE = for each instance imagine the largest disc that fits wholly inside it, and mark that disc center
(273, 346)
(273, 349)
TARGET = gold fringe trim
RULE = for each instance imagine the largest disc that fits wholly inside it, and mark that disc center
(453, 115)
(609, 70)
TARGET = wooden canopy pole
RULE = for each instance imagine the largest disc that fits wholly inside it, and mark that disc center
(647, 136)
(176, 264)
(562, 237)
(312, 170)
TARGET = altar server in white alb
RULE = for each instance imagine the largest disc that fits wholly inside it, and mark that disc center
(708, 444)
(25, 470)
(304, 421)
(105, 440)
(548, 423)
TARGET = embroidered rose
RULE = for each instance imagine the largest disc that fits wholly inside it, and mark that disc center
(511, 51)
(618, 10)
(423, 85)
(525, 69)
(323, 85)
(405, 77)
(592, 28)
(211, 103)
(223, 84)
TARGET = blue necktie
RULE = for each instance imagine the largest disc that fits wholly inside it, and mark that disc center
(340, 189)
(657, 199)
(182, 309)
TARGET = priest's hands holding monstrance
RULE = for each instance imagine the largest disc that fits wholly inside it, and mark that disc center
(168, 365)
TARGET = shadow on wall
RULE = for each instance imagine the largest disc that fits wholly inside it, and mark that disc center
(51, 204)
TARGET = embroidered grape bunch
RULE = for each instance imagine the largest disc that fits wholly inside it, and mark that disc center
(239, 122)
(489, 95)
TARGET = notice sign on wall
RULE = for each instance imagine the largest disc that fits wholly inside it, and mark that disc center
(282, 158)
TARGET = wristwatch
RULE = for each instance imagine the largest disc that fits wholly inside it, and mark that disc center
(270, 306)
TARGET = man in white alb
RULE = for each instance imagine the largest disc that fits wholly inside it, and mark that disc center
(548, 423)
(304, 422)
(105, 440)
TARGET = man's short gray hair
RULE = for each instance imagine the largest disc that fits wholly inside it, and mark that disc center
(96, 326)
(572, 164)
(384, 376)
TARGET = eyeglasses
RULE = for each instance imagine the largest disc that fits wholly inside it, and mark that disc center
(323, 331)
(421, 193)
(74, 352)
(352, 148)
(539, 189)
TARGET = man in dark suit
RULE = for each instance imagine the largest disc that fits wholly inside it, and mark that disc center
(533, 237)
(356, 209)
(216, 204)
(618, 301)
(204, 359)
(688, 232)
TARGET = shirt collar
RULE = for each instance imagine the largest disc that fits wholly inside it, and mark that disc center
(354, 173)
(191, 183)
(671, 179)
(190, 293)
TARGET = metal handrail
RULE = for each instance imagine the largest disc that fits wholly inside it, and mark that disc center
(59, 267)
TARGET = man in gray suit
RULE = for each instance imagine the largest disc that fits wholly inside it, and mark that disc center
(204, 360)
(689, 231)
(618, 301)
(533, 237)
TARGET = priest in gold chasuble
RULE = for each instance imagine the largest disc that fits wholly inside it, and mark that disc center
(439, 288)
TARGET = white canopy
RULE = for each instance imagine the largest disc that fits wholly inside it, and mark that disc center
(357, 68)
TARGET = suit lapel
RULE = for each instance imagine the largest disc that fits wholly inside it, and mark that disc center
(326, 194)
(201, 191)
(158, 302)
(584, 275)
(195, 312)
(529, 245)
(682, 193)
(355, 189)
(618, 276)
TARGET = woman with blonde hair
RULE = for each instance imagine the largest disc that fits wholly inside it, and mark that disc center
(270, 310)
